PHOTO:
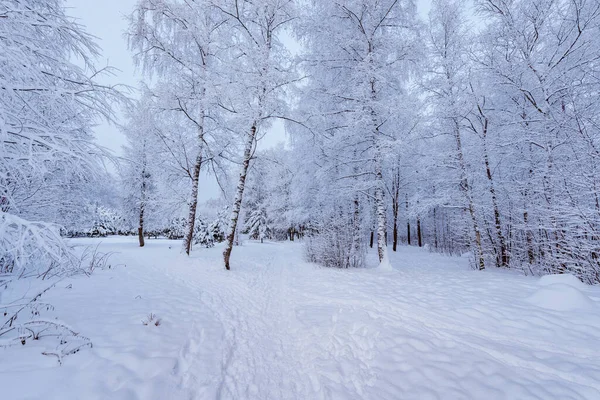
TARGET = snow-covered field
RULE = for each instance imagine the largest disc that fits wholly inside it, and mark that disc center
(278, 328)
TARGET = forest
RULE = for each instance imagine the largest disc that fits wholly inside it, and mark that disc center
(448, 134)
(473, 133)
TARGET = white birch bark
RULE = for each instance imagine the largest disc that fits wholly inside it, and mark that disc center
(239, 194)
(193, 202)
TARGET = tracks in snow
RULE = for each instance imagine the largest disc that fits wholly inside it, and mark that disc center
(286, 330)
(259, 358)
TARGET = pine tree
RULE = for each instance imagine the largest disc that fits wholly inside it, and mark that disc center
(257, 225)
(202, 234)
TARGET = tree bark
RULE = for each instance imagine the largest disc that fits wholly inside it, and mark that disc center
(407, 223)
(396, 207)
(503, 253)
(435, 231)
(395, 246)
(141, 226)
(237, 204)
(189, 235)
(143, 197)
(378, 158)
(193, 204)
(380, 204)
(356, 234)
(420, 239)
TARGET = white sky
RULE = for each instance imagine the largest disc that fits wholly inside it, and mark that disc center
(105, 19)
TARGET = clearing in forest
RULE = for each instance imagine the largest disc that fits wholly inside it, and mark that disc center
(276, 327)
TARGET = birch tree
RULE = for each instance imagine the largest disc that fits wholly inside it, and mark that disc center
(140, 170)
(542, 54)
(448, 86)
(361, 56)
(181, 41)
(261, 71)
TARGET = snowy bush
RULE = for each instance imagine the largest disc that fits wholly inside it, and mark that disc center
(176, 229)
(219, 226)
(23, 312)
(335, 246)
(106, 222)
(257, 225)
(31, 249)
(151, 319)
(22, 321)
(202, 235)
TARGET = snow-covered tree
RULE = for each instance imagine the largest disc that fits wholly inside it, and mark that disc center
(181, 43)
(448, 85)
(257, 224)
(540, 55)
(48, 105)
(202, 234)
(261, 70)
(140, 170)
(50, 99)
(360, 56)
(218, 227)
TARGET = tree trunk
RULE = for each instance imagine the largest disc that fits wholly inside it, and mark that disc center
(435, 234)
(372, 238)
(419, 232)
(189, 235)
(380, 204)
(395, 246)
(141, 227)
(142, 209)
(356, 225)
(141, 236)
(379, 181)
(503, 259)
(407, 222)
(396, 207)
(237, 204)
(193, 204)
(356, 234)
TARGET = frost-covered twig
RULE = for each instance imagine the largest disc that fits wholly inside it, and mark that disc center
(8, 323)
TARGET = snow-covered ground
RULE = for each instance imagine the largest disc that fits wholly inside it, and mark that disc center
(278, 328)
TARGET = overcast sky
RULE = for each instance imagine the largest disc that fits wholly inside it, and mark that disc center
(105, 19)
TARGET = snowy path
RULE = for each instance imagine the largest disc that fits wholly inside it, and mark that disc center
(278, 328)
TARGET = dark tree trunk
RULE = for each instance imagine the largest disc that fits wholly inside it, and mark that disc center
(141, 236)
(395, 235)
(372, 238)
(435, 235)
(407, 223)
(357, 225)
(420, 239)
(396, 207)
